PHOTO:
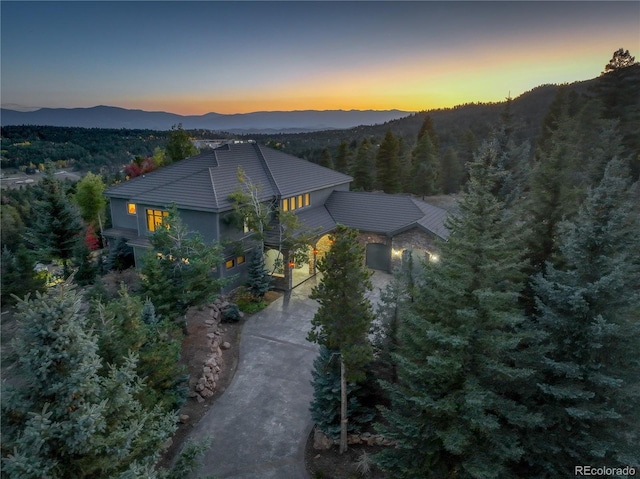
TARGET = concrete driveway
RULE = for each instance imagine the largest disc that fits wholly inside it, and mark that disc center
(260, 425)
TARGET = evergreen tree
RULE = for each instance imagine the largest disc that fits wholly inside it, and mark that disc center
(388, 165)
(428, 129)
(18, 274)
(344, 317)
(456, 410)
(259, 280)
(364, 167)
(120, 256)
(86, 269)
(325, 406)
(325, 158)
(127, 324)
(425, 167)
(589, 393)
(64, 420)
(452, 172)
(342, 157)
(177, 272)
(57, 228)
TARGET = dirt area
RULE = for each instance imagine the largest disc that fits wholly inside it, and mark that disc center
(330, 464)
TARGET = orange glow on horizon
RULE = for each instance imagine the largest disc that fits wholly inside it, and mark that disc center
(480, 74)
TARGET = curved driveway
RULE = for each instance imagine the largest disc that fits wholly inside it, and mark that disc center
(260, 425)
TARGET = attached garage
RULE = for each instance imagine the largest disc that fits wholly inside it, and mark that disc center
(378, 256)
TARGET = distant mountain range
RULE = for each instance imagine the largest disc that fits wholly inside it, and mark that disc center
(257, 122)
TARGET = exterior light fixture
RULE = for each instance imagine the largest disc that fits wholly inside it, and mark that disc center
(434, 258)
(291, 264)
(315, 251)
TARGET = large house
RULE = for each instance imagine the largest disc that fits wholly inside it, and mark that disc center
(200, 188)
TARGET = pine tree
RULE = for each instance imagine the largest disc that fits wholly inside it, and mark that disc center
(57, 228)
(364, 167)
(325, 158)
(589, 393)
(452, 172)
(388, 165)
(344, 317)
(425, 167)
(325, 406)
(259, 280)
(177, 271)
(127, 324)
(65, 420)
(18, 276)
(342, 157)
(455, 410)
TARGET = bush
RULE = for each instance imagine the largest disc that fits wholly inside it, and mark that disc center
(231, 314)
(247, 302)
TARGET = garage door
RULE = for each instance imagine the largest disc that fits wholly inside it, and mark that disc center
(379, 256)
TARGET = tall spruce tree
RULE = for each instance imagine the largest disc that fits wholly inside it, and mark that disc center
(388, 165)
(589, 392)
(364, 167)
(455, 410)
(177, 271)
(57, 228)
(63, 419)
(258, 280)
(342, 157)
(344, 317)
(425, 168)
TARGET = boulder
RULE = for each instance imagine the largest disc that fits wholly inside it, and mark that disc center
(321, 441)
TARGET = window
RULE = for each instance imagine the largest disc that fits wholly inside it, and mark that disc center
(245, 227)
(155, 218)
(230, 263)
(131, 208)
(240, 259)
(296, 202)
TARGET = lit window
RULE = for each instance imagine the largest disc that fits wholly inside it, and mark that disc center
(285, 205)
(307, 199)
(131, 208)
(292, 203)
(230, 263)
(300, 201)
(155, 218)
(240, 259)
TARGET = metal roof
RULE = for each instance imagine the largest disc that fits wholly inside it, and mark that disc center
(205, 181)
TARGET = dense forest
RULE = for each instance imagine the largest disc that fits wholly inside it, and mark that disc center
(513, 355)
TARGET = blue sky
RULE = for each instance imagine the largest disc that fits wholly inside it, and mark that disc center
(234, 57)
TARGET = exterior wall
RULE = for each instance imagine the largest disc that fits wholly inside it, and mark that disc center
(319, 197)
(415, 239)
(120, 218)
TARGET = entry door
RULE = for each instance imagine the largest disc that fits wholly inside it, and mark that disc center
(379, 256)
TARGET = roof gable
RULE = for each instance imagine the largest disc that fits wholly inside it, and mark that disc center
(205, 181)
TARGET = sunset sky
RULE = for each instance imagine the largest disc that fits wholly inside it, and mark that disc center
(237, 57)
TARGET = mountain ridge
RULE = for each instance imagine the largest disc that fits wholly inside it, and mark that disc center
(104, 116)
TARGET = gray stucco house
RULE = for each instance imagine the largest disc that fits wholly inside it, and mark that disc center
(200, 187)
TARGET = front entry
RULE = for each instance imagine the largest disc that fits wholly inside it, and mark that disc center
(378, 256)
